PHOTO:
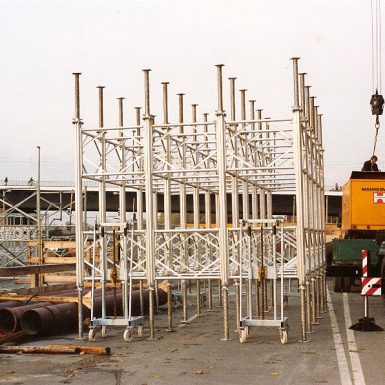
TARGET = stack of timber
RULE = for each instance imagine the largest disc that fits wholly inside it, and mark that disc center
(54, 253)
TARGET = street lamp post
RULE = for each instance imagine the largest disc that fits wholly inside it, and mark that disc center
(38, 218)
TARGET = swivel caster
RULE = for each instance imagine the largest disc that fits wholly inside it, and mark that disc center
(91, 335)
(283, 336)
(127, 335)
(242, 335)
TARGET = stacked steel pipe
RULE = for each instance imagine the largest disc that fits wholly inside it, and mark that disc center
(10, 316)
(10, 304)
(51, 318)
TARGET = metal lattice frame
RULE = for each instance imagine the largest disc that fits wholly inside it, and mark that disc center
(22, 232)
(207, 160)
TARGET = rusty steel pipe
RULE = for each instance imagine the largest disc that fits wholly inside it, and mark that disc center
(50, 319)
(10, 304)
(64, 317)
(10, 317)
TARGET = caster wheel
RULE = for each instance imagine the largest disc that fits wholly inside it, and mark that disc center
(127, 335)
(242, 335)
(91, 335)
(104, 331)
(283, 336)
(140, 331)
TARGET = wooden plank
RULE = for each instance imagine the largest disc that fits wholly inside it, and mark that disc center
(39, 298)
(59, 244)
(60, 260)
(23, 281)
(35, 269)
(53, 260)
(54, 244)
(59, 278)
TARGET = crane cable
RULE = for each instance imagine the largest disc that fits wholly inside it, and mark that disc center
(377, 126)
(377, 100)
(376, 44)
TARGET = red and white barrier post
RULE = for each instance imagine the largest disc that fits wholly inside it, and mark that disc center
(369, 286)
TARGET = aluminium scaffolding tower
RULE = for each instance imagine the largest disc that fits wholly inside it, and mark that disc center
(229, 167)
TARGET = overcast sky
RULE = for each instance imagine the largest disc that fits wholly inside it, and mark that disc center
(43, 42)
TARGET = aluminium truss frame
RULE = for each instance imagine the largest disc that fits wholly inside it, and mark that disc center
(209, 161)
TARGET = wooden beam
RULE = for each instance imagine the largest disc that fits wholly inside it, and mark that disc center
(53, 260)
(87, 349)
(54, 244)
(59, 244)
(38, 298)
(57, 349)
(35, 269)
(59, 278)
(60, 260)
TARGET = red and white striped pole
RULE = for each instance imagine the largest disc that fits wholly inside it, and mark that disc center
(365, 275)
(369, 286)
(364, 263)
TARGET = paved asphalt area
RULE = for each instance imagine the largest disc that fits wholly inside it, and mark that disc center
(195, 354)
